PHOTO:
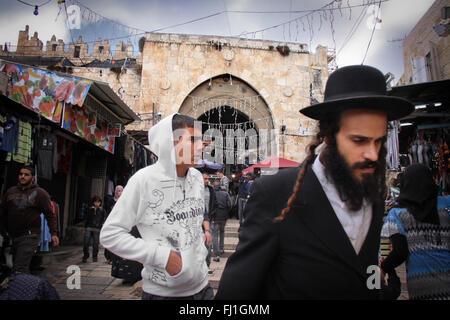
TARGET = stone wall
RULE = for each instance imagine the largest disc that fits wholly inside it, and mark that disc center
(423, 41)
(171, 66)
(175, 65)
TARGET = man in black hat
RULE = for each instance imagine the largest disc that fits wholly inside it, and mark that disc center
(314, 231)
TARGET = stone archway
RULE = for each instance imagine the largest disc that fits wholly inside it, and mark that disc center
(228, 90)
(240, 106)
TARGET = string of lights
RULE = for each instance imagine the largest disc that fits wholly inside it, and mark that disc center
(324, 13)
(36, 6)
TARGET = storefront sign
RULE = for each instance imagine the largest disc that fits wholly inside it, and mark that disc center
(44, 91)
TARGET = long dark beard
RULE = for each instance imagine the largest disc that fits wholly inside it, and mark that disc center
(352, 191)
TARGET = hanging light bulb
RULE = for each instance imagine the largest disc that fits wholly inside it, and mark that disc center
(36, 12)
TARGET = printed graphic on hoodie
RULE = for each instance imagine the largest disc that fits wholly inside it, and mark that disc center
(179, 224)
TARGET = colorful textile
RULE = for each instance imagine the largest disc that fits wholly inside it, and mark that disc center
(46, 237)
(22, 153)
(428, 263)
(9, 133)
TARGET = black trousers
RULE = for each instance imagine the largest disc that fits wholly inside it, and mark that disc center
(23, 250)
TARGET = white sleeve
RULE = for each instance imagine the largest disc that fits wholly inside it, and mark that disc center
(115, 235)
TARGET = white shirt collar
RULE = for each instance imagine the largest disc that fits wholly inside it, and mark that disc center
(355, 223)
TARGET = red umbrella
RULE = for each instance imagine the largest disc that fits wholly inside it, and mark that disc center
(272, 162)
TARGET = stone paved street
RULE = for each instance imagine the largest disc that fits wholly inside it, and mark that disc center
(97, 283)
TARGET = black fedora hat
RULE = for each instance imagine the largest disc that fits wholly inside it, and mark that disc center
(358, 87)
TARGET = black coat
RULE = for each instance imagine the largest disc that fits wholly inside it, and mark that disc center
(223, 208)
(95, 218)
(306, 256)
(212, 206)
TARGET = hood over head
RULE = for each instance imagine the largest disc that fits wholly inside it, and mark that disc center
(160, 139)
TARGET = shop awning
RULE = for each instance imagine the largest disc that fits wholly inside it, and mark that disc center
(272, 162)
(423, 93)
(103, 92)
(87, 108)
(432, 100)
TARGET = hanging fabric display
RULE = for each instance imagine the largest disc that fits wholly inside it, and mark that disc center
(47, 154)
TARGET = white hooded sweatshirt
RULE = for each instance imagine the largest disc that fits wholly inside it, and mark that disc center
(168, 212)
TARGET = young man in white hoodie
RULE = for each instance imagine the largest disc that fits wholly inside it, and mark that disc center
(165, 201)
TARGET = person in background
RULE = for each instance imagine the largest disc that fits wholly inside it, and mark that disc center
(220, 219)
(93, 223)
(210, 211)
(242, 196)
(109, 205)
(20, 218)
(419, 231)
(224, 181)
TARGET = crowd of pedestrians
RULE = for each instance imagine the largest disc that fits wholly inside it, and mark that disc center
(309, 232)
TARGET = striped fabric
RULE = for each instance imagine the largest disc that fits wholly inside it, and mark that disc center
(22, 151)
(428, 263)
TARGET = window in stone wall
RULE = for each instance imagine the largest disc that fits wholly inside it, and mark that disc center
(54, 46)
(101, 49)
(76, 53)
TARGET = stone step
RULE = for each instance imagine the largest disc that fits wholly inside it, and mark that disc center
(230, 243)
(217, 268)
(231, 234)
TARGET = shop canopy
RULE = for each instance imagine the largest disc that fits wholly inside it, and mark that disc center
(431, 100)
(208, 166)
(106, 96)
(87, 108)
(425, 92)
(272, 162)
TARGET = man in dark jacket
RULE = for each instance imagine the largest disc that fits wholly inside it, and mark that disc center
(242, 196)
(220, 219)
(313, 232)
(20, 218)
(95, 217)
(210, 211)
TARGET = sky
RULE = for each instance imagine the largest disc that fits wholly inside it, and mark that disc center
(349, 31)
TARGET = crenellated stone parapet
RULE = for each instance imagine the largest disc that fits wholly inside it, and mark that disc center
(77, 52)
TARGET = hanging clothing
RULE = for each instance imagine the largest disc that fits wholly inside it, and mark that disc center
(9, 132)
(46, 237)
(393, 159)
(22, 153)
(129, 150)
(64, 153)
(47, 162)
(55, 209)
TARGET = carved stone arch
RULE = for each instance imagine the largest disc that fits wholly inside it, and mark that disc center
(225, 94)
(228, 89)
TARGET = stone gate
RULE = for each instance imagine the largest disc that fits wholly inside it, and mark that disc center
(247, 83)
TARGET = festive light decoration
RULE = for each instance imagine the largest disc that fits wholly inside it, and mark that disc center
(36, 7)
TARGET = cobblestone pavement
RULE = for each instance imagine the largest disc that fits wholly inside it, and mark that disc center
(96, 282)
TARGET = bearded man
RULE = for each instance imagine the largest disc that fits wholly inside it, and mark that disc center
(314, 231)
